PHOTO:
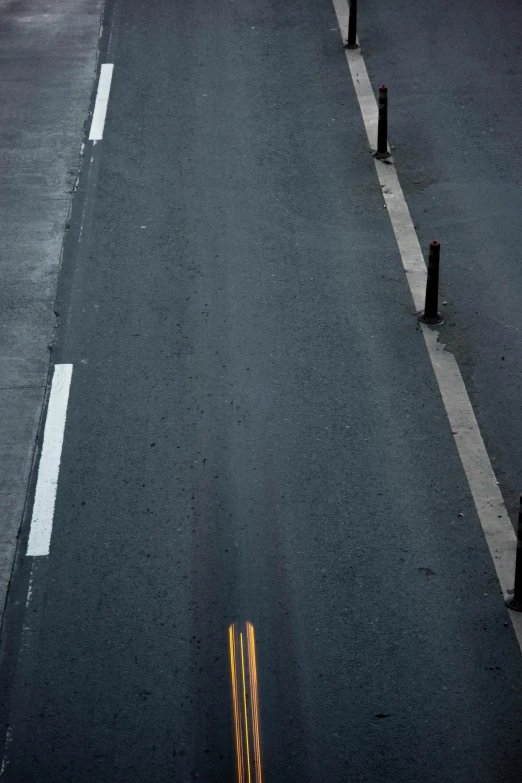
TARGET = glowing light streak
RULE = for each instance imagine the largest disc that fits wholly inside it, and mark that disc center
(245, 701)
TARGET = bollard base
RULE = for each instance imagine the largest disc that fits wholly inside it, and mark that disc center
(382, 155)
(431, 320)
(514, 604)
(351, 46)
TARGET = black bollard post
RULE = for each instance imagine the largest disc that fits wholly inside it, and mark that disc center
(382, 128)
(515, 601)
(351, 43)
(430, 314)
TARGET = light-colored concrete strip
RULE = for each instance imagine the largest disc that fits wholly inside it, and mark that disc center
(20, 411)
(48, 69)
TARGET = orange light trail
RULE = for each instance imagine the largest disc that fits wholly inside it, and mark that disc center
(245, 703)
(235, 699)
(254, 698)
(245, 700)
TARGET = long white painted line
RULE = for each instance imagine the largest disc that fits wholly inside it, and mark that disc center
(102, 100)
(497, 527)
(49, 468)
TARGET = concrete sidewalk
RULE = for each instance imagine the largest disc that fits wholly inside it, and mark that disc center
(47, 69)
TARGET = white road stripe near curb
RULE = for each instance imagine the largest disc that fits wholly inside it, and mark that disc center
(487, 497)
(47, 482)
(102, 100)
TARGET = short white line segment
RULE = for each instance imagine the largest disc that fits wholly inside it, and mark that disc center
(102, 100)
(47, 482)
(497, 527)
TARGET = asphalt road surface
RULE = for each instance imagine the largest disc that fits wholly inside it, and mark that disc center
(263, 533)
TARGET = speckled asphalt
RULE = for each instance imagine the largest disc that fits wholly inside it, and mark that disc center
(254, 430)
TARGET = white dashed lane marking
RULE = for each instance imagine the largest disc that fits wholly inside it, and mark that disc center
(102, 101)
(49, 468)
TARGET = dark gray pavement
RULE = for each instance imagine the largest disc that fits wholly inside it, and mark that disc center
(47, 69)
(254, 433)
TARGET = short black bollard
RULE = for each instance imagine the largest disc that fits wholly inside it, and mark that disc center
(351, 43)
(382, 128)
(515, 601)
(430, 314)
